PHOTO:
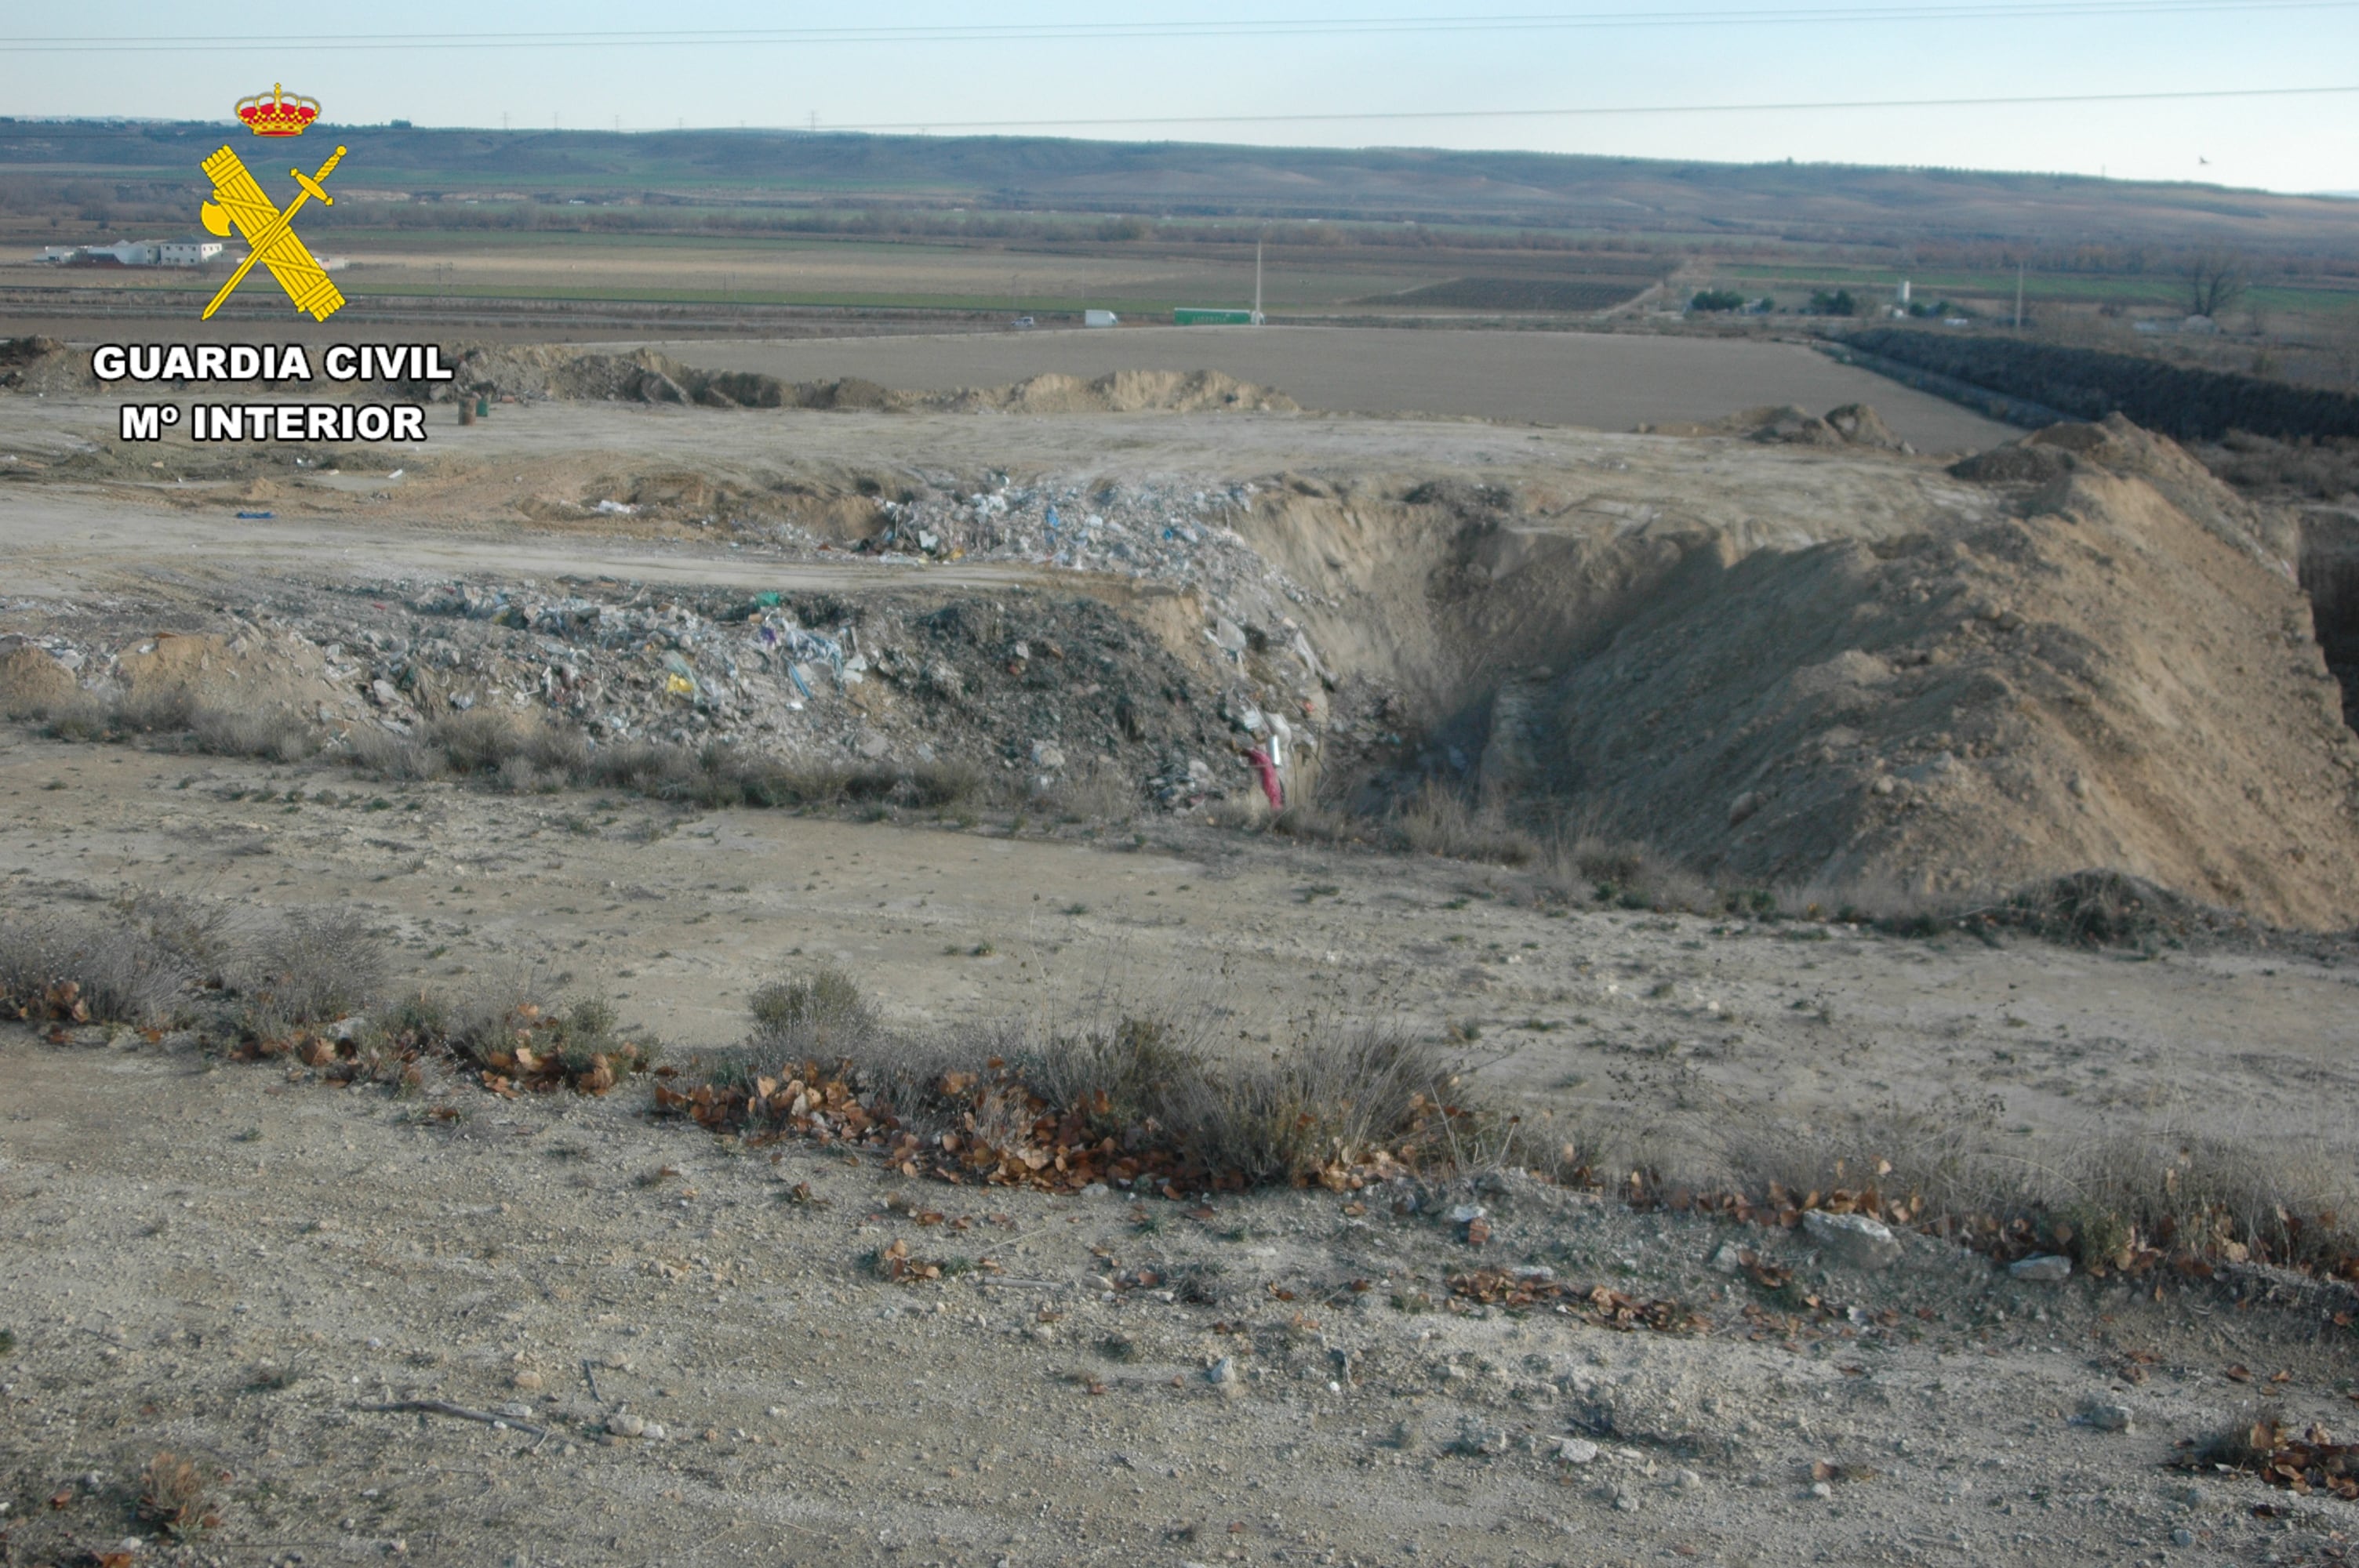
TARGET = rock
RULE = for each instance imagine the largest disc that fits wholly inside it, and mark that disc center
(1467, 1214)
(1728, 1258)
(1821, 1490)
(872, 744)
(381, 693)
(2183, 1536)
(1852, 1240)
(1861, 425)
(626, 1425)
(1480, 1437)
(654, 1432)
(1048, 754)
(2104, 1415)
(2044, 1269)
(941, 677)
(1222, 1372)
(529, 1381)
(1744, 806)
(1577, 1451)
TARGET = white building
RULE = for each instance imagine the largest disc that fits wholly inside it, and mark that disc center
(193, 251)
(127, 253)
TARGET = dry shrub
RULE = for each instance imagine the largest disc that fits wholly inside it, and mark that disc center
(1439, 821)
(2113, 1201)
(173, 1496)
(489, 741)
(1142, 1097)
(87, 965)
(404, 758)
(276, 734)
(310, 966)
(168, 708)
(821, 1011)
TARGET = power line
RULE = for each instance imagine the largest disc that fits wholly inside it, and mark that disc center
(1398, 115)
(2004, 10)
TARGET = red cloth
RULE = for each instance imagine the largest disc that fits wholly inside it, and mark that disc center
(1270, 784)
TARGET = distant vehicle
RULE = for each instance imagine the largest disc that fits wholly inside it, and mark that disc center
(1100, 319)
(1026, 321)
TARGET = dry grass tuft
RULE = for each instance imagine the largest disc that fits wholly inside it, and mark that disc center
(173, 1496)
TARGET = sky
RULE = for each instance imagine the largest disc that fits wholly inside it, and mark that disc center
(1391, 72)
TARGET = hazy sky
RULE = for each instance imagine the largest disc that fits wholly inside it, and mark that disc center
(1348, 56)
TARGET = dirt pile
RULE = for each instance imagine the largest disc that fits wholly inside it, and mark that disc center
(645, 377)
(1853, 425)
(2121, 673)
(43, 365)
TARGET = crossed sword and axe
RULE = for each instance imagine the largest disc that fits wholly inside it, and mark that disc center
(259, 243)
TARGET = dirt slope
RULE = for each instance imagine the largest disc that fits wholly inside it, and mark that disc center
(2107, 678)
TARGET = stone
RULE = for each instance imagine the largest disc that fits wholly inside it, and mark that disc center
(1852, 1240)
(1577, 1451)
(2042, 1268)
(1821, 1490)
(872, 744)
(626, 1425)
(1048, 754)
(1480, 1437)
(654, 1432)
(1222, 1372)
(528, 1380)
(2104, 1415)
(1728, 1258)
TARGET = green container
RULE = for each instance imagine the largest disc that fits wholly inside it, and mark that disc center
(483, 408)
(1209, 316)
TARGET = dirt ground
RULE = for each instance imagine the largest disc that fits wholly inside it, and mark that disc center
(305, 1292)
(1599, 381)
(184, 1235)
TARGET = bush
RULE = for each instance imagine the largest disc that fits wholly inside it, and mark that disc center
(310, 966)
(88, 966)
(823, 1010)
(1838, 303)
(1711, 299)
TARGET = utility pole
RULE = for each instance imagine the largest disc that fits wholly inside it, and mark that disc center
(1256, 315)
(2019, 296)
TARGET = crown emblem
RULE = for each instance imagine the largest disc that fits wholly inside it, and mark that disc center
(278, 115)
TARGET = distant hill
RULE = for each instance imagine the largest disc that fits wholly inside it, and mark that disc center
(1744, 203)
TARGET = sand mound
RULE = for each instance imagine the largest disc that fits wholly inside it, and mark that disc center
(645, 377)
(2121, 673)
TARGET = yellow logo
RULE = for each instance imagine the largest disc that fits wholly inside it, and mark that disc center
(278, 115)
(269, 234)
